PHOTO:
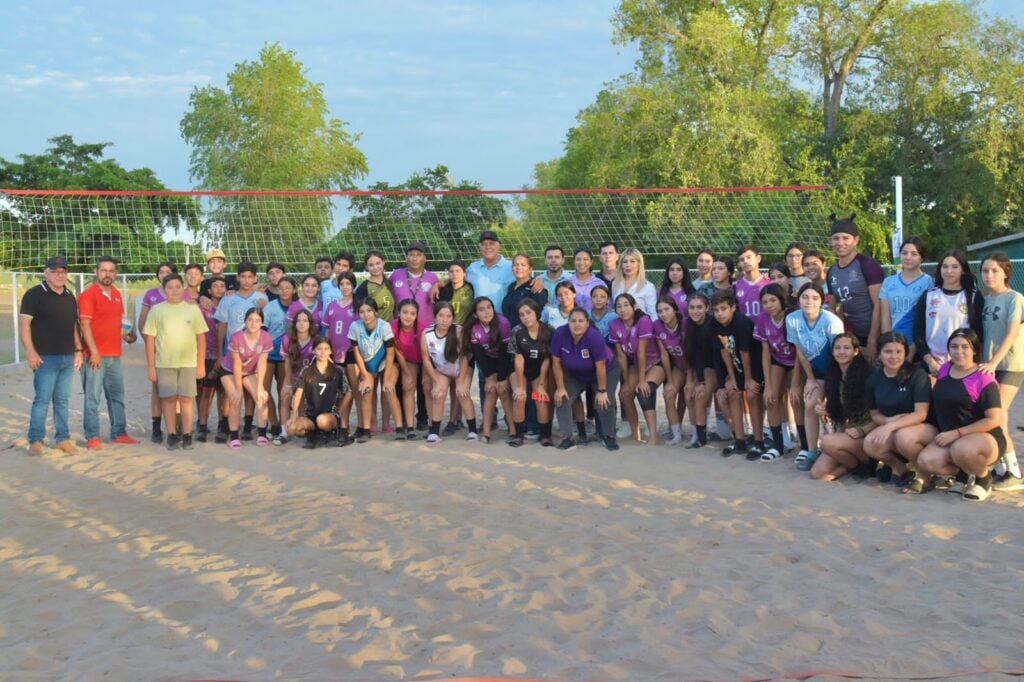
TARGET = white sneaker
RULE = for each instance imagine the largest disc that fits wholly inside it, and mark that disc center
(471, 435)
(433, 438)
(624, 431)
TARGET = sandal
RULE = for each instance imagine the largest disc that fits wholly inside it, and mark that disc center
(546, 442)
(235, 444)
(918, 486)
(977, 489)
(515, 441)
(808, 462)
(770, 455)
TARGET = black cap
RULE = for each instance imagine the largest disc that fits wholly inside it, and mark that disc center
(845, 226)
(489, 234)
(57, 263)
(416, 246)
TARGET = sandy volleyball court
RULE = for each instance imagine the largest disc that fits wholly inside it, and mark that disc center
(403, 562)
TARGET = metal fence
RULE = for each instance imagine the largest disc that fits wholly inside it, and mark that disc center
(13, 286)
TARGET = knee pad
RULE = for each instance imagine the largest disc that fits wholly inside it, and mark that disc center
(648, 403)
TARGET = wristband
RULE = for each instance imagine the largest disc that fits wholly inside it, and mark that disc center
(602, 390)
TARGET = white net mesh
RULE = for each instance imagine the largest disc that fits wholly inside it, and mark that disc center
(142, 229)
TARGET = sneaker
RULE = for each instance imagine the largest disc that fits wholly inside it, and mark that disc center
(624, 430)
(422, 425)
(345, 439)
(411, 435)
(186, 442)
(262, 440)
(157, 436)
(202, 435)
(515, 441)
(532, 435)
(93, 443)
(36, 448)
(472, 435)
(68, 447)
(1008, 484)
(362, 435)
(125, 439)
(172, 441)
(610, 443)
(451, 428)
(567, 444)
(734, 449)
(400, 433)
(221, 437)
(713, 437)
(310, 443)
(279, 439)
(247, 434)
(433, 438)
(323, 439)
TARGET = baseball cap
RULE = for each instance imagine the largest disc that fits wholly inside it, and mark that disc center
(215, 253)
(57, 263)
(416, 246)
(489, 234)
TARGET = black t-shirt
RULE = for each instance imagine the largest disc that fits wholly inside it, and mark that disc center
(231, 281)
(736, 337)
(54, 317)
(320, 393)
(889, 397)
(960, 402)
(701, 346)
(516, 294)
(534, 351)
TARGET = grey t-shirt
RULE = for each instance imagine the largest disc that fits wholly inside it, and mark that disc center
(849, 287)
(999, 311)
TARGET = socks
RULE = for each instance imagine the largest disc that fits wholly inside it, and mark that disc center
(233, 435)
(801, 431)
(581, 429)
(156, 423)
(261, 431)
(435, 428)
(702, 433)
(545, 430)
(777, 438)
(677, 430)
(471, 425)
(275, 430)
(520, 428)
(247, 424)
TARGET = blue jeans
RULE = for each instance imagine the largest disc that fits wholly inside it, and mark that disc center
(109, 380)
(52, 384)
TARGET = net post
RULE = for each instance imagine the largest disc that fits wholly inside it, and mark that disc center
(14, 317)
(897, 234)
(81, 283)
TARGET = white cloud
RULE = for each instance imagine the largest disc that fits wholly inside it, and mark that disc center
(120, 84)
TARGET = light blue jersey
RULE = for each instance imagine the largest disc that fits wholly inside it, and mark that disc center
(903, 298)
(814, 340)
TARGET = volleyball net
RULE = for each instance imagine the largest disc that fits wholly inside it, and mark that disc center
(141, 229)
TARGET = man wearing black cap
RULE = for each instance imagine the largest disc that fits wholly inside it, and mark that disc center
(49, 332)
(854, 282)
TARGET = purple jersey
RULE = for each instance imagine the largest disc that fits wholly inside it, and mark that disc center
(336, 320)
(680, 297)
(748, 295)
(250, 355)
(305, 356)
(155, 295)
(211, 335)
(316, 310)
(583, 290)
(481, 336)
(579, 359)
(673, 342)
(766, 330)
(629, 339)
(417, 288)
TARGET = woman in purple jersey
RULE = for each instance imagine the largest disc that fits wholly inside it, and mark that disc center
(676, 283)
(309, 300)
(485, 339)
(778, 357)
(638, 356)
(338, 316)
(245, 364)
(150, 299)
(297, 351)
(670, 331)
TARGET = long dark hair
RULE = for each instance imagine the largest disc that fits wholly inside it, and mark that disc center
(907, 368)
(690, 341)
(778, 292)
(967, 281)
(387, 281)
(687, 282)
(671, 303)
(306, 376)
(545, 331)
(451, 339)
(415, 323)
(293, 336)
(637, 311)
(846, 395)
(493, 332)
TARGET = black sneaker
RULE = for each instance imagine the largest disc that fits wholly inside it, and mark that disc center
(202, 435)
(422, 425)
(186, 442)
(713, 437)
(323, 439)
(344, 439)
(411, 435)
(734, 449)
(246, 434)
(221, 437)
(883, 473)
(567, 444)
(400, 433)
(310, 443)
(157, 436)
(610, 443)
(362, 435)
(451, 428)
(172, 441)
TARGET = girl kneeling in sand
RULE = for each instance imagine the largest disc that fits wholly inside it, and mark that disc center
(969, 414)
(444, 364)
(315, 399)
(842, 451)
(244, 367)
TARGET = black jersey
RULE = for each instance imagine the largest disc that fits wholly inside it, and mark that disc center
(960, 402)
(890, 397)
(319, 392)
(534, 351)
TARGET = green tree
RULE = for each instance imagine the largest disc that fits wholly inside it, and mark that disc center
(84, 227)
(270, 129)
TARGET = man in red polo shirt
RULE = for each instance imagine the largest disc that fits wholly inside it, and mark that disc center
(100, 311)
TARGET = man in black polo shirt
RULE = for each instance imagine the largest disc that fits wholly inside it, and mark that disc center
(49, 332)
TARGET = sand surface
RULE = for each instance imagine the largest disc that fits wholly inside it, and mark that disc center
(406, 561)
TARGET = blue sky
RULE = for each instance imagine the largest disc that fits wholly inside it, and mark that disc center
(487, 88)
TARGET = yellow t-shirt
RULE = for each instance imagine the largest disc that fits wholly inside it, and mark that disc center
(175, 327)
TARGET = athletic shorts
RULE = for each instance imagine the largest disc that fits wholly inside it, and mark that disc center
(171, 382)
(776, 363)
(209, 380)
(1008, 378)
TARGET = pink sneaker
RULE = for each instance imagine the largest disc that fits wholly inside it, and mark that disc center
(391, 428)
(235, 444)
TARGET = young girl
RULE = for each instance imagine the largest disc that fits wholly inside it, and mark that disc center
(315, 401)
(898, 396)
(721, 275)
(583, 279)
(244, 366)
(308, 300)
(638, 356)
(811, 330)
(844, 405)
(777, 357)
(676, 283)
(407, 330)
(600, 314)
(670, 331)
(150, 299)
(297, 351)
(969, 416)
(444, 364)
(529, 347)
(485, 338)
(701, 379)
(373, 352)
(795, 262)
(457, 291)
(337, 320)
(565, 300)
(704, 283)
(954, 303)
(778, 273)
(632, 280)
(1003, 351)
(376, 287)
(276, 315)
(900, 292)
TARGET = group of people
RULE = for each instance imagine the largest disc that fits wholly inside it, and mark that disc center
(907, 377)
